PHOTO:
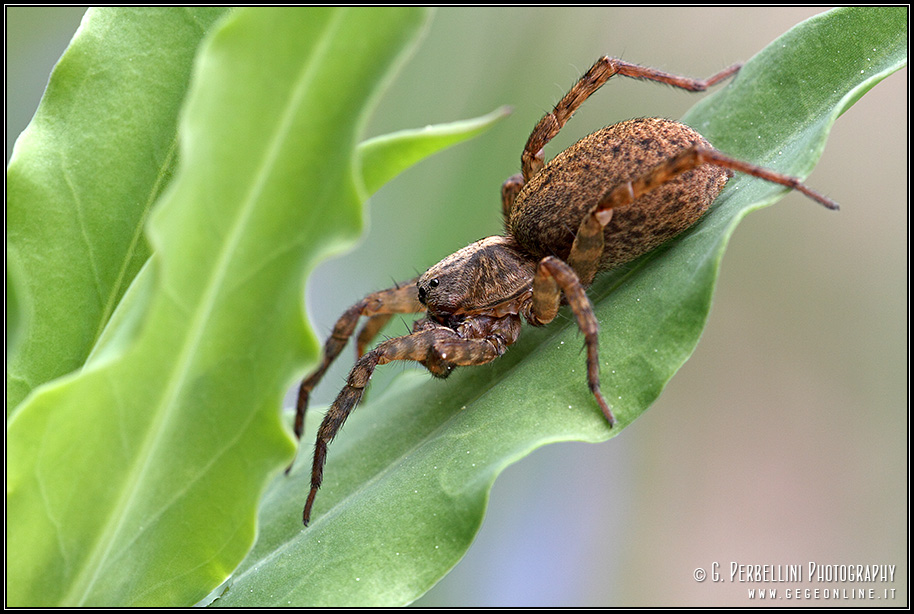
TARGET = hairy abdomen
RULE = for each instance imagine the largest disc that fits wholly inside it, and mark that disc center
(548, 210)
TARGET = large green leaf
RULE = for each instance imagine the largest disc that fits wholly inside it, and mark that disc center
(84, 175)
(135, 481)
(406, 482)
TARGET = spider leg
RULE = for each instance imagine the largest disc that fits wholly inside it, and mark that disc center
(587, 248)
(532, 158)
(689, 159)
(369, 331)
(509, 191)
(378, 306)
(436, 347)
(552, 279)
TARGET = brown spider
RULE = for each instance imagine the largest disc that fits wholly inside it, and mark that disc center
(625, 189)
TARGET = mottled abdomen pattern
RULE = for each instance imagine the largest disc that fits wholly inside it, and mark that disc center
(550, 207)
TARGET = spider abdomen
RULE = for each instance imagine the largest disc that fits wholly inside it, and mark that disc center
(549, 209)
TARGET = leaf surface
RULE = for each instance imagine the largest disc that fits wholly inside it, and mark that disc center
(84, 175)
(384, 157)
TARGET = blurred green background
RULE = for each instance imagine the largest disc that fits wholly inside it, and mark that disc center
(782, 441)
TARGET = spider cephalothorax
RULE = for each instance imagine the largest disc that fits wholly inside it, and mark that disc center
(489, 277)
(609, 198)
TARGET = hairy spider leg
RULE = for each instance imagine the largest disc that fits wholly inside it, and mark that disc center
(436, 347)
(552, 279)
(533, 158)
(588, 243)
(379, 307)
(509, 191)
(687, 160)
(369, 331)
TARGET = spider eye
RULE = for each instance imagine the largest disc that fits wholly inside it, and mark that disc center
(424, 290)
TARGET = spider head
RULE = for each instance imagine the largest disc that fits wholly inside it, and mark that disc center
(480, 279)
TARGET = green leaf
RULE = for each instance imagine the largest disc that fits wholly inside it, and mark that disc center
(84, 175)
(135, 481)
(384, 157)
(406, 482)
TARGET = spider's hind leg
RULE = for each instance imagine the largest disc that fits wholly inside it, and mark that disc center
(588, 245)
(533, 158)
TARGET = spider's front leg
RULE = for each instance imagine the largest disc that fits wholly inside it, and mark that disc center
(378, 307)
(439, 348)
(554, 278)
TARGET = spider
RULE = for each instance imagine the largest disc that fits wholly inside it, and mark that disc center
(609, 198)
